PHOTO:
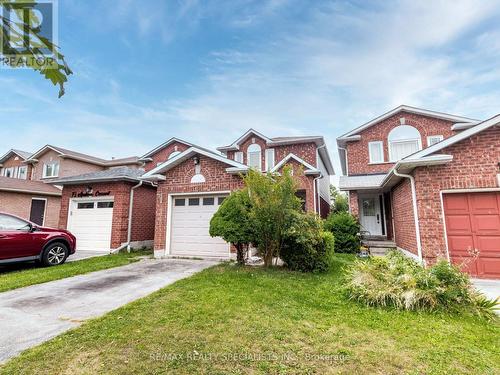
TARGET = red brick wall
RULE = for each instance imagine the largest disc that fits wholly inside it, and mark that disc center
(353, 203)
(20, 204)
(325, 208)
(474, 165)
(357, 152)
(404, 219)
(163, 154)
(178, 180)
(144, 214)
(120, 191)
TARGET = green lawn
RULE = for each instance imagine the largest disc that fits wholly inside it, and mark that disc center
(250, 321)
(24, 274)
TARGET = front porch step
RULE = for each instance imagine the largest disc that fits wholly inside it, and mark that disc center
(379, 244)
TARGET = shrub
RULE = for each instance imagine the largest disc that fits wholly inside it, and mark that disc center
(345, 229)
(398, 281)
(305, 246)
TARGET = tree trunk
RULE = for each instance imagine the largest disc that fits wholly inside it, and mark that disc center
(240, 256)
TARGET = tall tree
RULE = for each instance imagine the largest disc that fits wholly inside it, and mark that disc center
(339, 202)
(24, 46)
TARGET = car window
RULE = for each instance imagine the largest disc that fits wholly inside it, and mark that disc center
(12, 223)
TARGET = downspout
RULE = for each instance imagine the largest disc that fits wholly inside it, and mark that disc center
(130, 210)
(346, 161)
(316, 194)
(415, 210)
(129, 229)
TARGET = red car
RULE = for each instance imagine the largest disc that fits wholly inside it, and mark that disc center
(22, 240)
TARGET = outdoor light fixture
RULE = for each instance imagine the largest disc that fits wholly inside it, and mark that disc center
(196, 160)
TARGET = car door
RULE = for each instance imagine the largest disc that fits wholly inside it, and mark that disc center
(16, 239)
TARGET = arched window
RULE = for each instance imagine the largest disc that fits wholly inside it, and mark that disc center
(254, 156)
(175, 153)
(403, 140)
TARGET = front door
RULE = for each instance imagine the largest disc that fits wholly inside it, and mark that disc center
(370, 214)
(37, 213)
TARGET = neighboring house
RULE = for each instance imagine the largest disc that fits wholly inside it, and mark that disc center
(35, 174)
(429, 182)
(195, 181)
(13, 165)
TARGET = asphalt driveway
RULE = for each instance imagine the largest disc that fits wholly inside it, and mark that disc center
(32, 315)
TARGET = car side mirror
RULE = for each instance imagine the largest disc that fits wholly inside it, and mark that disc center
(32, 228)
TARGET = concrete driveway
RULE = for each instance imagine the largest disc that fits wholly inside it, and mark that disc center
(490, 288)
(32, 315)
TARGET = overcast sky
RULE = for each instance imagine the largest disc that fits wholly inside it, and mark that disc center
(206, 71)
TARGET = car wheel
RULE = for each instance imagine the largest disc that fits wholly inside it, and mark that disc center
(54, 254)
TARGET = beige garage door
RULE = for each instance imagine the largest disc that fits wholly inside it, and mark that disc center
(190, 223)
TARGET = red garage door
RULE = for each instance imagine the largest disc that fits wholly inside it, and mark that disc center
(473, 231)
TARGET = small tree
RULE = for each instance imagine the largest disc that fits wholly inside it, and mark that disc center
(232, 222)
(272, 199)
(339, 203)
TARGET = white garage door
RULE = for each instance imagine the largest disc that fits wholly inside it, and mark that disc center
(90, 221)
(190, 223)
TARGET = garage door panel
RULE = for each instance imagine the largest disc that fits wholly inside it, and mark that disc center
(458, 223)
(474, 237)
(190, 231)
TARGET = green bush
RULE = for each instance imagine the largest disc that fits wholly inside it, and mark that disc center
(398, 281)
(345, 229)
(305, 246)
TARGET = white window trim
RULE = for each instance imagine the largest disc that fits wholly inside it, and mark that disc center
(270, 151)
(434, 136)
(259, 167)
(381, 144)
(419, 147)
(44, 175)
(12, 171)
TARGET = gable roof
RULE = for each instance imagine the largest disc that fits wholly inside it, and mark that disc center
(409, 109)
(17, 185)
(65, 153)
(22, 154)
(281, 141)
(113, 174)
(146, 156)
(310, 169)
(235, 167)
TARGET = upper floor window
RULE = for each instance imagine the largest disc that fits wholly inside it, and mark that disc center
(50, 170)
(403, 140)
(376, 152)
(433, 139)
(9, 172)
(238, 156)
(254, 156)
(22, 173)
(270, 162)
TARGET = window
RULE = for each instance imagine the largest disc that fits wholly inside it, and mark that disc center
(85, 205)
(208, 201)
(404, 140)
(50, 170)
(12, 223)
(254, 156)
(238, 156)
(433, 139)
(180, 202)
(22, 173)
(105, 204)
(173, 154)
(376, 151)
(368, 205)
(9, 172)
(269, 159)
(194, 201)
(220, 200)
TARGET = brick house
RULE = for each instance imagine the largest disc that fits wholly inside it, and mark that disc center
(26, 180)
(429, 182)
(193, 181)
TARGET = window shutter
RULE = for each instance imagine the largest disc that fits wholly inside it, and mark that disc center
(238, 156)
(376, 151)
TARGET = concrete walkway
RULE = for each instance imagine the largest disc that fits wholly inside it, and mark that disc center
(85, 254)
(32, 315)
(490, 288)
